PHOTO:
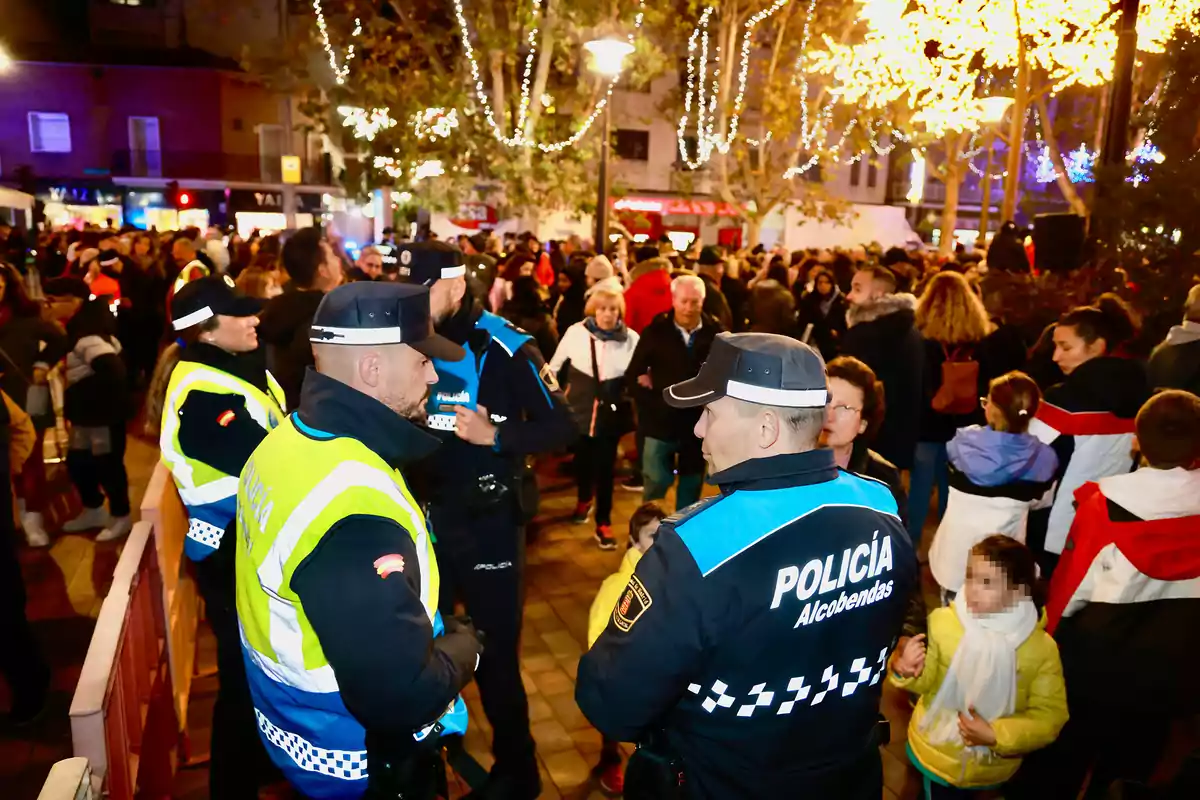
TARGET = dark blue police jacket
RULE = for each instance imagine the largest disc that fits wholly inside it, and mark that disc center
(505, 373)
(756, 631)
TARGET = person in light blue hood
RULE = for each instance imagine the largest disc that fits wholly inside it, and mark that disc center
(998, 472)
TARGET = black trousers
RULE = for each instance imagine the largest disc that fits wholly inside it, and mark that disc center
(481, 559)
(595, 458)
(239, 759)
(95, 476)
(21, 660)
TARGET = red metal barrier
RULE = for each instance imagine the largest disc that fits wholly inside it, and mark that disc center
(123, 712)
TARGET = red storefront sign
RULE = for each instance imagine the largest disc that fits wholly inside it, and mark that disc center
(474, 216)
(670, 206)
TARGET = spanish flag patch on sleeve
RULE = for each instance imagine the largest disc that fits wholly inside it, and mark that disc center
(225, 418)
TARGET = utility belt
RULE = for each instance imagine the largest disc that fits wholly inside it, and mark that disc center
(656, 772)
(398, 770)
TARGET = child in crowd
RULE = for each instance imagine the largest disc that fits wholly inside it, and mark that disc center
(997, 472)
(988, 675)
(96, 403)
(1124, 607)
(643, 530)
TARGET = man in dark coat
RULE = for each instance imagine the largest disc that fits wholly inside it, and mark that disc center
(1007, 251)
(711, 268)
(882, 334)
(1175, 364)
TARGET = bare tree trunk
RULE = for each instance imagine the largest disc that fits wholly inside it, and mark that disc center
(1060, 168)
(547, 34)
(1101, 116)
(953, 183)
(753, 230)
(1016, 134)
(985, 188)
(499, 104)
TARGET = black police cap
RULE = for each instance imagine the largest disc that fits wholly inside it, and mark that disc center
(426, 262)
(208, 297)
(762, 368)
(375, 313)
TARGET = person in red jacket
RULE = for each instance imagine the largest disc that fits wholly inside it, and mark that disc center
(649, 292)
(1124, 608)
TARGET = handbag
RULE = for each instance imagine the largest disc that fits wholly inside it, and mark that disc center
(959, 390)
(37, 396)
(613, 415)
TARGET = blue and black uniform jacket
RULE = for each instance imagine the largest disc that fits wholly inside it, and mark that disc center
(755, 633)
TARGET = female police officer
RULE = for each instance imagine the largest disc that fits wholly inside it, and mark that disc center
(217, 403)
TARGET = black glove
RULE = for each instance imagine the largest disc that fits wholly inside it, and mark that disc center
(461, 642)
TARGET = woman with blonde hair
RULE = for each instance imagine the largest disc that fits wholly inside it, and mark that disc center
(259, 283)
(598, 350)
(963, 355)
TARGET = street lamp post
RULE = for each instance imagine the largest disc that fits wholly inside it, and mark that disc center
(608, 55)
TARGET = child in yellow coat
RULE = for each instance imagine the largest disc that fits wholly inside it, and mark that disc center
(989, 677)
(643, 530)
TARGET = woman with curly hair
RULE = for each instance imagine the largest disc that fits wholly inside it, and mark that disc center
(963, 355)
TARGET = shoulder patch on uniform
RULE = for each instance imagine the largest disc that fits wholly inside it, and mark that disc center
(548, 377)
(684, 514)
(386, 565)
(225, 417)
(633, 603)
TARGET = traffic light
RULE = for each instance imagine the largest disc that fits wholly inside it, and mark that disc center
(179, 198)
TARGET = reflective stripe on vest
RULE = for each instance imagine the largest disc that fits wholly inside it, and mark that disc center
(194, 268)
(207, 492)
(293, 490)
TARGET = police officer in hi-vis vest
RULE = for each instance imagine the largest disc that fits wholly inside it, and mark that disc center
(747, 654)
(491, 409)
(218, 404)
(354, 673)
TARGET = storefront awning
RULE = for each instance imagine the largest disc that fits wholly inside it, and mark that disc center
(11, 198)
(674, 206)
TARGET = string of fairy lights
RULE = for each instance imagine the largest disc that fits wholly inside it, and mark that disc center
(340, 73)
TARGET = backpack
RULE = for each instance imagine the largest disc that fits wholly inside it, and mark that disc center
(959, 391)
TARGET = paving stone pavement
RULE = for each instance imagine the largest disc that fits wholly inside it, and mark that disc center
(563, 569)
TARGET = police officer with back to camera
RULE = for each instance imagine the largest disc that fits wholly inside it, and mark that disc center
(493, 408)
(747, 654)
(354, 673)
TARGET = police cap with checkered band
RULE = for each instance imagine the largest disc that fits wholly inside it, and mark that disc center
(375, 313)
(425, 263)
(762, 368)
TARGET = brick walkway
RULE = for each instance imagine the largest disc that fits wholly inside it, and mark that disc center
(563, 570)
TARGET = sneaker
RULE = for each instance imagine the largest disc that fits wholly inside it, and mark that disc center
(632, 484)
(88, 519)
(35, 529)
(119, 528)
(604, 537)
(583, 512)
(612, 779)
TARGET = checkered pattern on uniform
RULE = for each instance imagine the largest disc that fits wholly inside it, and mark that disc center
(350, 765)
(441, 422)
(205, 533)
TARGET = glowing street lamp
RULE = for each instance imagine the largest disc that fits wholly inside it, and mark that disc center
(993, 109)
(608, 57)
(5, 59)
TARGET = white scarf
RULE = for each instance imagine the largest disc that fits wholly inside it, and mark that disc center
(982, 673)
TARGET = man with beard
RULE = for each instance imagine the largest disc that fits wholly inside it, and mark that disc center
(491, 410)
(353, 672)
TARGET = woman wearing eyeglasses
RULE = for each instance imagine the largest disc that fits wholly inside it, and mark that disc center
(853, 417)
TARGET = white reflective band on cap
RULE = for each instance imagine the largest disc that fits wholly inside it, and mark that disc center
(356, 335)
(112, 262)
(787, 398)
(193, 318)
(453, 272)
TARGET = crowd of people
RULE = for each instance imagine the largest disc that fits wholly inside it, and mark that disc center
(1059, 472)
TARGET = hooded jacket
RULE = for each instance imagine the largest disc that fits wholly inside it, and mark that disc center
(1124, 607)
(284, 327)
(609, 593)
(1089, 421)
(649, 293)
(1175, 364)
(995, 478)
(883, 337)
(1039, 714)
